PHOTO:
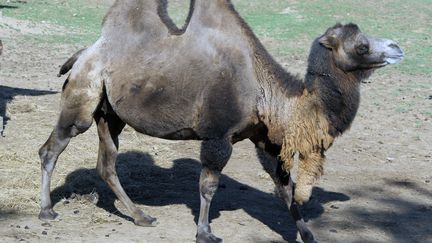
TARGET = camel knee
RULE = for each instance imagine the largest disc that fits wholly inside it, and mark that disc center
(46, 158)
(209, 184)
(302, 193)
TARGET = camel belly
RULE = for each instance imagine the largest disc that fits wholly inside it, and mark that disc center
(168, 107)
(155, 106)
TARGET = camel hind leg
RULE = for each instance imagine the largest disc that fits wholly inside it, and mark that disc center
(109, 127)
(76, 117)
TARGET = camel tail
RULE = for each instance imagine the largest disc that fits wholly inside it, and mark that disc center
(67, 66)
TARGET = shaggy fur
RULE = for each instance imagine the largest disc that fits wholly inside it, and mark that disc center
(212, 81)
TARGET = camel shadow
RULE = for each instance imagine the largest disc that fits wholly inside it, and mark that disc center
(404, 218)
(151, 185)
(7, 94)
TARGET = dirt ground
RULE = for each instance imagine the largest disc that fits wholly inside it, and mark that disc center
(376, 188)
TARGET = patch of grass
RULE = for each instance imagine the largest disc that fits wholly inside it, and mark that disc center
(77, 16)
(408, 22)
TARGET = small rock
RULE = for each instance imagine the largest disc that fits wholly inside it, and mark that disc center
(107, 236)
(427, 181)
(334, 207)
(113, 230)
(390, 159)
(120, 223)
(66, 202)
(263, 175)
(46, 224)
(26, 227)
(44, 232)
(333, 231)
(76, 212)
(18, 226)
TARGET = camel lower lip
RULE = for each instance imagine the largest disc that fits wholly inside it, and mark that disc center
(393, 60)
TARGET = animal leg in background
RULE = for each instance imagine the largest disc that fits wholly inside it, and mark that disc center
(109, 127)
(285, 186)
(214, 156)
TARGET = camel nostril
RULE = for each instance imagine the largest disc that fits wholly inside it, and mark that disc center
(393, 45)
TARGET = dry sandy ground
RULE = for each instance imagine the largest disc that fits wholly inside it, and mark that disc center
(376, 187)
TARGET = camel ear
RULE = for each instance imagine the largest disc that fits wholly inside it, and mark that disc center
(328, 40)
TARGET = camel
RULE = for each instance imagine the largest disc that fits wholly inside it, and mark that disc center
(215, 82)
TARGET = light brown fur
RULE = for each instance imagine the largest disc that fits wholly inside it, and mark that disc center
(306, 134)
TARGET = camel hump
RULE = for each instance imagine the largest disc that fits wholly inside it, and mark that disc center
(134, 17)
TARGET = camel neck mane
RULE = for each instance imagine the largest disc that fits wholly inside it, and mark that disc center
(336, 91)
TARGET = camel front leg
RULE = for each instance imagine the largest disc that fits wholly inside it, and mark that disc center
(214, 156)
(285, 186)
(309, 171)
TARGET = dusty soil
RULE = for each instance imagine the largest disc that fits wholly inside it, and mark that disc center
(376, 187)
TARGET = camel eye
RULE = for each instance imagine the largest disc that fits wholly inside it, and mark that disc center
(362, 49)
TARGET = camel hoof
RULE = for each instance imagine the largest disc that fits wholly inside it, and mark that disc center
(206, 237)
(305, 234)
(146, 221)
(47, 215)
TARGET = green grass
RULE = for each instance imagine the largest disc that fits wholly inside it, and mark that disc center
(407, 22)
(78, 16)
(291, 24)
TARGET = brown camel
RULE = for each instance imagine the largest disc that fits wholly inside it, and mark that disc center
(215, 82)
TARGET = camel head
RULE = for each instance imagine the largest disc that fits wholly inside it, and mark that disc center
(352, 50)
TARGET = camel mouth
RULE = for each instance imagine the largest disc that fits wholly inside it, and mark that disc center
(394, 59)
(388, 51)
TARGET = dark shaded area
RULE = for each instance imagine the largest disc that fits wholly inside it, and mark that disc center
(151, 185)
(7, 214)
(7, 6)
(405, 216)
(7, 94)
(407, 220)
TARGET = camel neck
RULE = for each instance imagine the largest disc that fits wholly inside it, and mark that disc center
(337, 92)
